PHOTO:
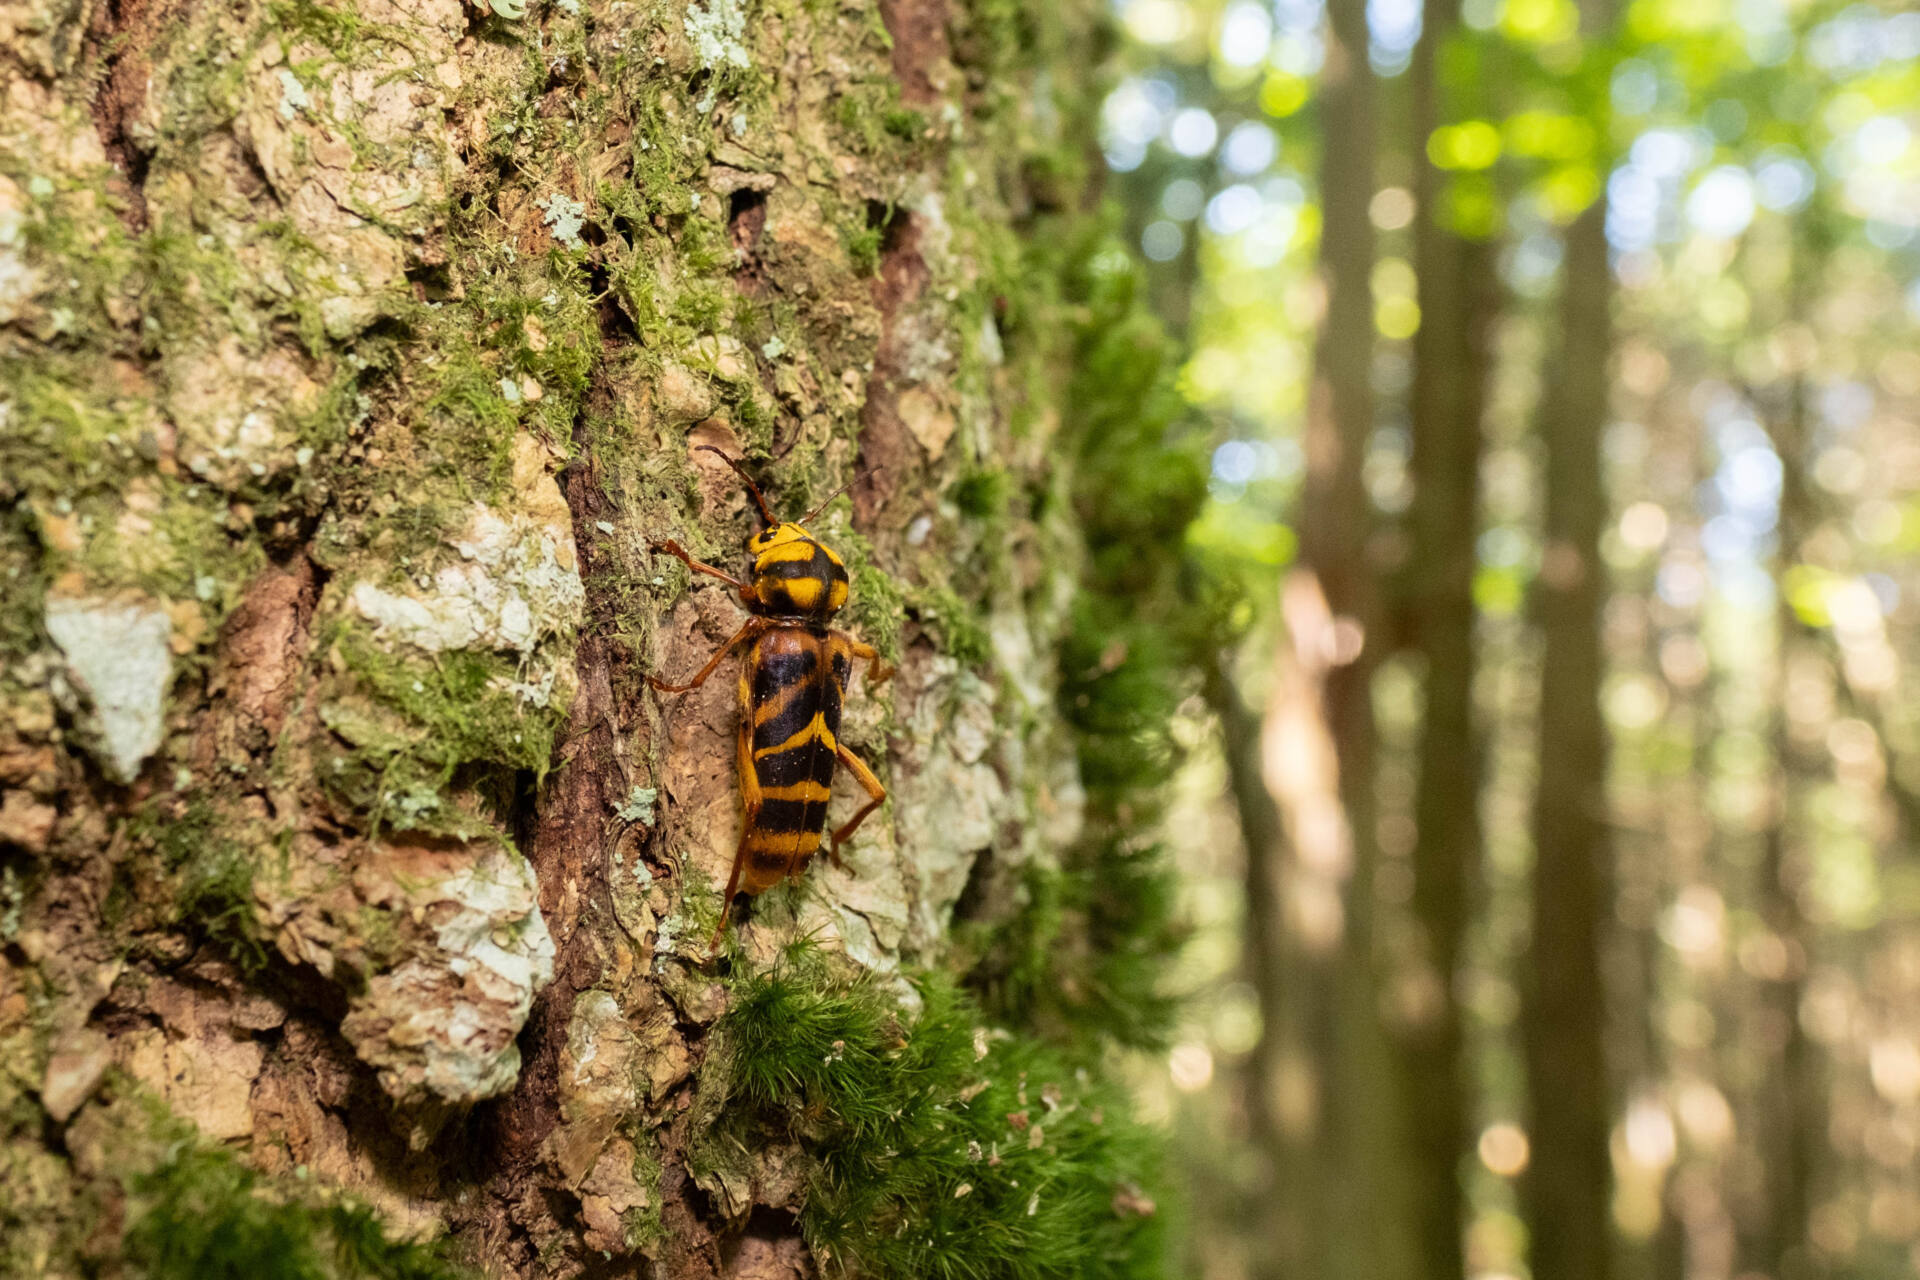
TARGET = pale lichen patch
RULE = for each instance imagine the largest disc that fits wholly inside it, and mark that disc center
(516, 583)
(118, 654)
(716, 28)
(440, 1025)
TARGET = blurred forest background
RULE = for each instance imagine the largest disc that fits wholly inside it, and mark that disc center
(1549, 832)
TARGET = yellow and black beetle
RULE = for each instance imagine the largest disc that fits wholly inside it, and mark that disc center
(792, 685)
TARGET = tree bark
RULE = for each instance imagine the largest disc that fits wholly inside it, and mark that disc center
(353, 355)
(1458, 294)
(1567, 1188)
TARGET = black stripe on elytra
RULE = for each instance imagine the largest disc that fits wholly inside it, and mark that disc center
(790, 720)
(781, 669)
(787, 815)
(768, 862)
(816, 815)
(812, 762)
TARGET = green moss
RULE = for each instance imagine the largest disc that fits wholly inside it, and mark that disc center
(207, 873)
(982, 494)
(939, 1148)
(432, 716)
(201, 1215)
(23, 587)
(953, 623)
(876, 603)
(1084, 961)
(1141, 620)
(863, 248)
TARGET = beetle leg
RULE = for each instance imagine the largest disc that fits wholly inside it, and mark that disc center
(879, 671)
(674, 549)
(875, 794)
(750, 793)
(752, 627)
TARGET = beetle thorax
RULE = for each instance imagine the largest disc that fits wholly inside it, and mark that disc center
(795, 575)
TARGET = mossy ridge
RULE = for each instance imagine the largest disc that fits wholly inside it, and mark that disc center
(1082, 963)
(1082, 960)
(200, 1214)
(186, 869)
(941, 1148)
(432, 720)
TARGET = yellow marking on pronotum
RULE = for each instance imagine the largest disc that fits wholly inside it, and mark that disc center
(787, 552)
(804, 592)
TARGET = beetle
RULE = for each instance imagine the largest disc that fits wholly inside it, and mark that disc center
(792, 685)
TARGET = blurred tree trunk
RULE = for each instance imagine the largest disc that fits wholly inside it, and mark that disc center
(1458, 297)
(1567, 1191)
(1283, 1229)
(351, 355)
(1361, 1135)
(1791, 1106)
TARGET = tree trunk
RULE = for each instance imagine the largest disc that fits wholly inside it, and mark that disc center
(1361, 1137)
(1458, 296)
(1791, 1103)
(353, 884)
(1569, 1221)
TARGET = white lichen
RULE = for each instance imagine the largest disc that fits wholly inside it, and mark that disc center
(716, 29)
(293, 96)
(639, 805)
(517, 582)
(443, 1022)
(117, 654)
(564, 217)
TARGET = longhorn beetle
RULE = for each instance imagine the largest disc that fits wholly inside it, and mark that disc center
(792, 685)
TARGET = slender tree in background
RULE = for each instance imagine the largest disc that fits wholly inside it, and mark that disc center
(1568, 1182)
(1360, 1132)
(1790, 1110)
(1458, 297)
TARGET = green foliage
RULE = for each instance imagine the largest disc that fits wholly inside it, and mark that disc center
(204, 1216)
(939, 1148)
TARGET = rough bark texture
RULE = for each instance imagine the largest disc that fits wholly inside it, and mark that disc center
(1570, 1112)
(351, 354)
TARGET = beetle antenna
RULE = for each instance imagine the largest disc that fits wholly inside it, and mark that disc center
(865, 473)
(745, 479)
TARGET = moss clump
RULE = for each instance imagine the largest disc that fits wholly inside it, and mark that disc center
(983, 494)
(951, 621)
(1083, 961)
(876, 603)
(939, 1148)
(206, 877)
(863, 249)
(202, 1215)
